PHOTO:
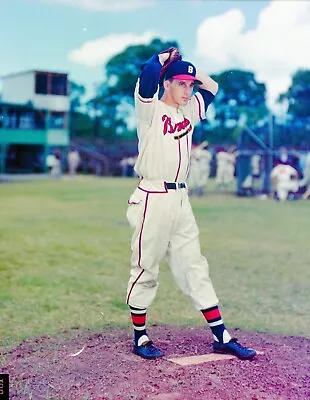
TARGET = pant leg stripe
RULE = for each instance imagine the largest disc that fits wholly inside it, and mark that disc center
(141, 231)
(132, 286)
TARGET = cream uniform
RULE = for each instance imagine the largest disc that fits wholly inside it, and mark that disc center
(199, 171)
(285, 179)
(160, 216)
(165, 137)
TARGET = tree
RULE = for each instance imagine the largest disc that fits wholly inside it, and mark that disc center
(298, 95)
(114, 99)
(80, 122)
(240, 100)
(296, 131)
(76, 93)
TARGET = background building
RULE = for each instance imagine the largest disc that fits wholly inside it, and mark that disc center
(34, 119)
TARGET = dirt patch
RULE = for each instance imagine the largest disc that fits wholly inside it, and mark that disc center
(106, 369)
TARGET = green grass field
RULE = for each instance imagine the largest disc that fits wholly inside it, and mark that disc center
(65, 251)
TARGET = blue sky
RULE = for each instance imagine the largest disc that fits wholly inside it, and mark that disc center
(78, 36)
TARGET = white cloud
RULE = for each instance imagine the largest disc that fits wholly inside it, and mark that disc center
(105, 5)
(97, 52)
(274, 50)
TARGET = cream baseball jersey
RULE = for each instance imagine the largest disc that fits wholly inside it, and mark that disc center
(165, 136)
(283, 172)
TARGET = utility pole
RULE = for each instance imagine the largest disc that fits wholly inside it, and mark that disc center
(269, 159)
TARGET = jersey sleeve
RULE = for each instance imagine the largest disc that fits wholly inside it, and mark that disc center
(145, 107)
(198, 104)
(146, 92)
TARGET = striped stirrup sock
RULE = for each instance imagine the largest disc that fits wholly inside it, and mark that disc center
(138, 317)
(214, 319)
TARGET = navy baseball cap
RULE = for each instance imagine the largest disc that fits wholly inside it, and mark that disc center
(182, 70)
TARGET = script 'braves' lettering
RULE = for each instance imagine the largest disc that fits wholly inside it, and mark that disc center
(169, 127)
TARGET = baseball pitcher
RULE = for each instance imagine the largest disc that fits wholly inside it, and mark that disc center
(159, 211)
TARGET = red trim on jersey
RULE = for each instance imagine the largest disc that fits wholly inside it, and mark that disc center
(213, 314)
(150, 191)
(180, 159)
(189, 157)
(132, 286)
(199, 107)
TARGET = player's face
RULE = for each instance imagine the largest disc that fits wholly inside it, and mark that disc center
(181, 91)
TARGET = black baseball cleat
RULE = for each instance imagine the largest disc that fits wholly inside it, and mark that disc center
(234, 348)
(147, 350)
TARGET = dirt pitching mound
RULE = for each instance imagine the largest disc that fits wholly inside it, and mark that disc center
(101, 366)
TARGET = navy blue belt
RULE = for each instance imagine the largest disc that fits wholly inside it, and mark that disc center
(174, 185)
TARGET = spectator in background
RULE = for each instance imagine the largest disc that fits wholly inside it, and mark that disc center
(73, 160)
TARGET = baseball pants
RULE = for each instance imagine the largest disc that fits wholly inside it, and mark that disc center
(164, 226)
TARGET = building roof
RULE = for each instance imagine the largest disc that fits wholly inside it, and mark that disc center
(32, 71)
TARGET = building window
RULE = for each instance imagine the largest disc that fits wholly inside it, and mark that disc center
(41, 83)
(50, 83)
(59, 85)
(40, 117)
(19, 118)
(57, 120)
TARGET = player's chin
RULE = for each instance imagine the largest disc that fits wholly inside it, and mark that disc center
(184, 101)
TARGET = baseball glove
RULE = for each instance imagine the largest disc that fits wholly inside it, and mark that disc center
(174, 55)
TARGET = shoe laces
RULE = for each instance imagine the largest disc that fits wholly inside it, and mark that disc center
(150, 346)
(235, 341)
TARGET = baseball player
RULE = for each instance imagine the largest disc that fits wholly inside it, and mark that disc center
(225, 167)
(306, 177)
(159, 210)
(304, 162)
(73, 160)
(199, 170)
(285, 180)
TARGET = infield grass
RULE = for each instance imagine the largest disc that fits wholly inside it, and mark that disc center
(65, 251)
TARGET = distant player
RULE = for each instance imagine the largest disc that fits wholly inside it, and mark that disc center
(304, 161)
(73, 160)
(225, 169)
(285, 181)
(256, 166)
(306, 178)
(199, 171)
(159, 210)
